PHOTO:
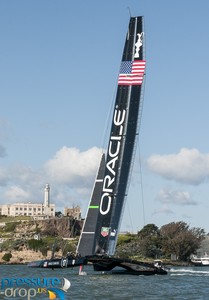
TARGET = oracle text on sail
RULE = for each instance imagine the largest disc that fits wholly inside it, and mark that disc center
(114, 150)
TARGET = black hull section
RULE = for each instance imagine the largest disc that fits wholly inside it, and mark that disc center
(102, 264)
(124, 266)
(56, 263)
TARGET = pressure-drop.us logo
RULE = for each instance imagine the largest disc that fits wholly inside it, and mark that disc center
(28, 288)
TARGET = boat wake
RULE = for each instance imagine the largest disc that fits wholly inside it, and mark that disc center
(82, 273)
(188, 272)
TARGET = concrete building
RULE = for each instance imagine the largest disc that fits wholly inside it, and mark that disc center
(30, 209)
(75, 212)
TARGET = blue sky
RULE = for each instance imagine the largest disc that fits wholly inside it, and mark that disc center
(59, 62)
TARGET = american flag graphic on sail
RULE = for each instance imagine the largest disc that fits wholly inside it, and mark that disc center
(131, 72)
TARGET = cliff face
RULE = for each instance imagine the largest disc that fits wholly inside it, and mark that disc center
(24, 256)
(62, 227)
(16, 240)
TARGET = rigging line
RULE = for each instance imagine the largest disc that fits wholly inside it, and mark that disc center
(130, 219)
(141, 182)
(129, 11)
(105, 135)
(64, 245)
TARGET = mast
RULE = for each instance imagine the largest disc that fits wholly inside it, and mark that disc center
(120, 152)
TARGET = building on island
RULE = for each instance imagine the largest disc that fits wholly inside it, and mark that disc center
(30, 209)
(74, 212)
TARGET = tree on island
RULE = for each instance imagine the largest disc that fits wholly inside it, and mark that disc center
(179, 239)
(175, 238)
(150, 241)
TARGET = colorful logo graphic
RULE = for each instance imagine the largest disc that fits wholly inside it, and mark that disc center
(54, 292)
(27, 288)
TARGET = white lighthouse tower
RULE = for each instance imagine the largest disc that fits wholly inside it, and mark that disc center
(47, 199)
(47, 195)
(48, 208)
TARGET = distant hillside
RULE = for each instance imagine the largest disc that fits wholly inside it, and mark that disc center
(65, 227)
(23, 239)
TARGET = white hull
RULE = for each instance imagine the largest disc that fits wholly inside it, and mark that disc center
(200, 261)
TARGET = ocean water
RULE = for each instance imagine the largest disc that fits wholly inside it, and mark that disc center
(180, 283)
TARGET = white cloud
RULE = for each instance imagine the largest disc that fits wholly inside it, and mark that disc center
(70, 174)
(175, 197)
(71, 166)
(16, 194)
(188, 166)
(163, 210)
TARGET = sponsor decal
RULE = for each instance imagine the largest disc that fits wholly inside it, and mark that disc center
(105, 231)
(138, 44)
(28, 288)
(113, 233)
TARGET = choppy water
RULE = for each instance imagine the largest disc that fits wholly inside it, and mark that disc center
(181, 283)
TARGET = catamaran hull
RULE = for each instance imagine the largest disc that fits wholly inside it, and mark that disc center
(58, 263)
(124, 266)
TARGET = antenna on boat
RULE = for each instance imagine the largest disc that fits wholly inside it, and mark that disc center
(129, 11)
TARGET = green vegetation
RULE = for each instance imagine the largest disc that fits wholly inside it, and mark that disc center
(125, 238)
(49, 243)
(11, 244)
(50, 234)
(179, 239)
(14, 219)
(7, 256)
(35, 244)
(174, 239)
(10, 226)
(69, 246)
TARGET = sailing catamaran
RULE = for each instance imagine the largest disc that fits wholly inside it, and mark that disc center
(100, 231)
(120, 153)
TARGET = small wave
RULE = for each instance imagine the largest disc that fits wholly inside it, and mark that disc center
(82, 273)
(187, 271)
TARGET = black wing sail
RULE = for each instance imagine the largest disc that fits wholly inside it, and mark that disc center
(86, 241)
(120, 152)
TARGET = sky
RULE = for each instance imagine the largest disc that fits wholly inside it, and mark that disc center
(59, 62)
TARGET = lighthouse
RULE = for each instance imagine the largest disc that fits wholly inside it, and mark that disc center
(46, 196)
(48, 208)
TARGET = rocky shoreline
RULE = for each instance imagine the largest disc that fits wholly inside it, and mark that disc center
(25, 256)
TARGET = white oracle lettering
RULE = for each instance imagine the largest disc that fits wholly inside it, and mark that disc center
(110, 152)
(138, 44)
(111, 165)
(121, 130)
(104, 196)
(115, 138)
(113, 153)
(119, 117)
(107, 183)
